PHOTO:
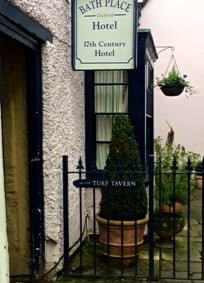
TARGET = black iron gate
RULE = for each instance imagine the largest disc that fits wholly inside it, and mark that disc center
(178, 254)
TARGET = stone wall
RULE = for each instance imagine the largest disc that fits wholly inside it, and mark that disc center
(63, 118)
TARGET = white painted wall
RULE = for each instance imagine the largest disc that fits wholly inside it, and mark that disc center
(63, 118)
(179, 23)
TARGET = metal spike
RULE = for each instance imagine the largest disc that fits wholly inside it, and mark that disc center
(189, 165)
(174, 166)
(80, 164)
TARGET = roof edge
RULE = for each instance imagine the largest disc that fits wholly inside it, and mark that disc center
(23, 21)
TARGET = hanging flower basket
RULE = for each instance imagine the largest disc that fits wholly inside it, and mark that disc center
(172, 83)
(172, 90)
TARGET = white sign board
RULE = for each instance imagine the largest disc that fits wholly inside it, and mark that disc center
(104, 34)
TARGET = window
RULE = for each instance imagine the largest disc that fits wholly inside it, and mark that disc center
(120, 92)
(110, 98)
(111, 93)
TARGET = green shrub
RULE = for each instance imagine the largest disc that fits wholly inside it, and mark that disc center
(168, 190)
(124, 202)
(199, 167)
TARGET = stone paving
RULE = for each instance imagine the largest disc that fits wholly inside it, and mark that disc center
(183, 258)
(173, 263)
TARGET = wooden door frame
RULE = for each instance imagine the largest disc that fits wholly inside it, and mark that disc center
(4, 261)
(18, 26)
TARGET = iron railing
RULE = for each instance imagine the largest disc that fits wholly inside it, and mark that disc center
(176, 256)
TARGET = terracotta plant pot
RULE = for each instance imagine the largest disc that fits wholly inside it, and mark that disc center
(165, 208)
(198, 181)
(172, 90)
(117, 243)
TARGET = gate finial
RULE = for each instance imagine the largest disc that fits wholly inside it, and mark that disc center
(80, 164)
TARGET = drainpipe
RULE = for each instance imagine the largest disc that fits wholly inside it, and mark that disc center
(4, 258)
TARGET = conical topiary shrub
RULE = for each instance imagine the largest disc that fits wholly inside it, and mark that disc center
(124, 202)
(123, 207)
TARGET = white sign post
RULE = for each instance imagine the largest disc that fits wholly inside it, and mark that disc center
(104, 34)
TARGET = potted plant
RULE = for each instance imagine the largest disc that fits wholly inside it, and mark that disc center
(171, 193)
(123, 207)
(168, 225)
(171, 188)
(173, 83)
(199, 174)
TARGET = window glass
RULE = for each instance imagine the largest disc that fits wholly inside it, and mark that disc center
(111, 98)
(112, 77)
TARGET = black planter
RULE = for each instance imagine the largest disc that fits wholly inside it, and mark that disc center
(172, 90)
(167, 225)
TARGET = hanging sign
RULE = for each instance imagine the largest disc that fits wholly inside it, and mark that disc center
(85, 183)
(104, 34)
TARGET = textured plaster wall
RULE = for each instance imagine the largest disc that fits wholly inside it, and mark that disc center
(63, 118)
(179, 23)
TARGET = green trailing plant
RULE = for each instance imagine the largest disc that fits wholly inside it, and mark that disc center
(123, 164)
(167, 189)
(174, 79)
